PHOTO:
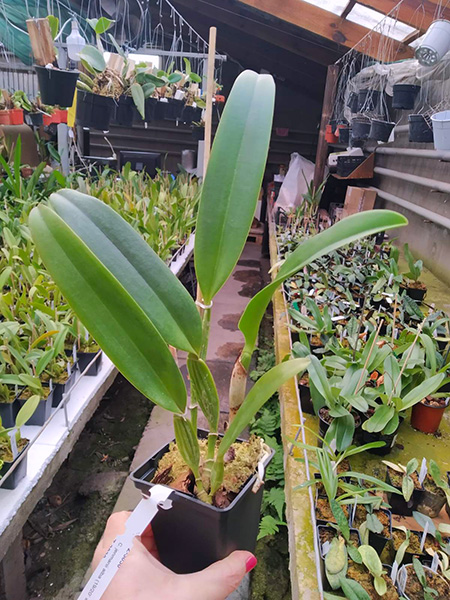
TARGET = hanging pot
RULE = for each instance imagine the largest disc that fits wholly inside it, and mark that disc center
(380, 130)
(404, 95)
(343, 132)
(360, 129)
(209, 533)
(426, 415)
(435, 44)
(368, 100)
(124, 112)
(441, 130)
(352, 102)
(420, 129)
(94, 111)
(57, 87)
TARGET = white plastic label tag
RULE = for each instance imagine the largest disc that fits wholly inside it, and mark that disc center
(325, 548)
(137, 523)
(14, 449)
(394, 572)
(424, 536)
(423, 470)
(435, 562)
(74, 352)
(402, 574)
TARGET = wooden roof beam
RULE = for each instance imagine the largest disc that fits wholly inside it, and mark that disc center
(326, 24)
(226, 12)
(419, 15)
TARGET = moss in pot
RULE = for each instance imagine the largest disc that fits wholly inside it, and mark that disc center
(134, 307)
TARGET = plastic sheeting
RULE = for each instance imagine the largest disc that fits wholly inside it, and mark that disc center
(295, 184)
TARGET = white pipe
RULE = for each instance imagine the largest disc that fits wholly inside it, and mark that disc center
(418, 210)
(432, 184)
(436, 154)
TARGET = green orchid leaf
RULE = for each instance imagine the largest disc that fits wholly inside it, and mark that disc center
(112, 316)
(342, 429)
(135, 265)
(101, 25)
(138, 98)
(380, 418)
(340, 234)
(407, 487)
(341, 519)
(263, 389)
(204, 391)
(233, 180)
(371, 560)
(93, 59)
(423, 390)
(353, 590)
(27, 411)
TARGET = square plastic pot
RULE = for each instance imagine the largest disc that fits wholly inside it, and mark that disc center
(94, 111)
(192, 535)
(84, 358)
(42, 412)
(17, 475)
(57, 87)
(8, 412)
(399, 506)
(60, 389)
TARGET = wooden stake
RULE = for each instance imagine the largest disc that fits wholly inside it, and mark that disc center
(41, 41)
(209, 95)
(327, 108)
(393, 322)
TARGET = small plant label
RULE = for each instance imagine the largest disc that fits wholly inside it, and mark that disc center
(14, 449)
(402, 574)
(423, 470)
(435, 562)
(325, 548)
(424, 535)
(137, 523)
(394, 572)
(74, 352)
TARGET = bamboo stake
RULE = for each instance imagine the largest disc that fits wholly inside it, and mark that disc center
(393, 322)
(209, 95)
(369, 355)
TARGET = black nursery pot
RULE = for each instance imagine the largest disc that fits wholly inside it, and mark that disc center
(404, 95)
(416, 294)
(377, 540)
(150, 111)
(8, 412)
(17, 475)
(124, 112)
(420, 130)
(62, 388)
(399, 506)
(56, 87)
(368, 100)
(84, 358)
(360, 128)
(42, 412)
(190, 113)
(94, 111)
(34, 119)
(192, 535)
(305, 399)
(198, 134)
(174, 109)
(389, 440)
(344, 135)
(380, 130)
(353, 102)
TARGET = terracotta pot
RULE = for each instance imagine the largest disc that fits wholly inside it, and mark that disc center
(329, 135)
(427, 418)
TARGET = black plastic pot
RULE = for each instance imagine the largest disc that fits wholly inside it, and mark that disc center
(404, 95)
(84, 358)
(377, 540)
(398, 504)
(368, 100)
(420, 130)
(57, 87)
(380, 130)
(60, 389)
(192, 535)
(320, 528)
(174, 109)
(124, 112)
(344, 135)
(150, 111)
(198, 134)
(94, 111)
(8, 412)
(416, 294)
(42, 412)
(17, 475)
(353, 102)
(190, 113)
(389, 440)
(305, 399)
(431, 503)
(161, 109)
(360, 128)
(34, 119)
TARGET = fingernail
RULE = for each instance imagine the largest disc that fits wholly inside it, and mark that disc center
(251, 563)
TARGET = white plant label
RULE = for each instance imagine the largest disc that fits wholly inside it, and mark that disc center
(74, 352)
(355, 504)
(424, 536)
(325, 548)
(394, 572)
(50, 385)
(435, 562)
(69, 369)
(402, 579)
(423, 470)
(14, 449)
(137, 523)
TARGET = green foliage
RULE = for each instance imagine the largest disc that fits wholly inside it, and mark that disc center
(415, 267)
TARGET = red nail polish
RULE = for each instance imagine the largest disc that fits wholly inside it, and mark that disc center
(251, 563)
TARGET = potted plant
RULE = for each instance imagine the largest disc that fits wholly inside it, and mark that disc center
(426, 416)
(56, 86)
(134, 307)
(437, 492)
(416, 581)
(10, 114)
(404, 479)
(414, 287)
(12, 445)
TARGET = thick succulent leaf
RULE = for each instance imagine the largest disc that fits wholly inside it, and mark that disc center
(138, 98)
(342, 233)
(380, 418)
(109, 312)
(135, 265)
(233, 180)
(93, 58)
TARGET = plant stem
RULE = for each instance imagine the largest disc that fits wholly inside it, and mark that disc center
(368, 356)
(206, 321)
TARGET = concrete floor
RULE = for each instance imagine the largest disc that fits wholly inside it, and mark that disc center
(225, 343)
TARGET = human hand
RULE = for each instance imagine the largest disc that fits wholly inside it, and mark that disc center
(143, 577)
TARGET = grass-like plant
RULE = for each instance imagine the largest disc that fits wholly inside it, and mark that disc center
(135, 307)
